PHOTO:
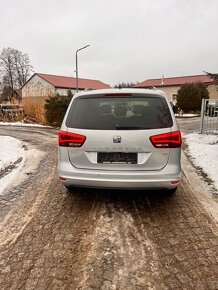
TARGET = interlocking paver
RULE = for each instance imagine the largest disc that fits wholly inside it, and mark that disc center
(100, 239)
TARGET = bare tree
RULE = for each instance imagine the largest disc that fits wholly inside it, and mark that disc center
(213, 76)
(22, 67)
(15, 68)
(7, 67)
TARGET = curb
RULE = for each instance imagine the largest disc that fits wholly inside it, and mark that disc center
(186, 117)
(200, 189)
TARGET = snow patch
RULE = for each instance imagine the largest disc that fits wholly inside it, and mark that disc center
(11, 150)
(187, 115)
(23, 124)
(204, 153)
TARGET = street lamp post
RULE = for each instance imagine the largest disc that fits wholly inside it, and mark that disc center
(77, 65)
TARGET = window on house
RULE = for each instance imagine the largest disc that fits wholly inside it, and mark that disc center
(174, 98)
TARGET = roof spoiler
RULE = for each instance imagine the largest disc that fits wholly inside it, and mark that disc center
(88, 89)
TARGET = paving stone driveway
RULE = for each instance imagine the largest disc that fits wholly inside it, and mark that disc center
(101, 239)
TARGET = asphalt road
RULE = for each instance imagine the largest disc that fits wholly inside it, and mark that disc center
(101, 239)
(189, 125)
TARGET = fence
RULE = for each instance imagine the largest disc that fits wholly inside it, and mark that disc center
(10, 111)
(209, 117)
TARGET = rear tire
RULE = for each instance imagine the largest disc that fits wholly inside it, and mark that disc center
(172, 190)
(69, 188)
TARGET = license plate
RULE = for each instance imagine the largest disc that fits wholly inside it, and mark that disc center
(117, 157)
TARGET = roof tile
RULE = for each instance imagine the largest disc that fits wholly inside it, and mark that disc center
(174, 81)
(70, 82)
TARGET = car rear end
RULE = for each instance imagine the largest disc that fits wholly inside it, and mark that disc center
(120, 138)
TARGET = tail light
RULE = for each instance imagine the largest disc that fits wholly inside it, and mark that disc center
(167, 140)
(118, 95)
(66, 139)
(175, 181)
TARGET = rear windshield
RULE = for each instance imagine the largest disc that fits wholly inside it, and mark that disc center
(119, 113)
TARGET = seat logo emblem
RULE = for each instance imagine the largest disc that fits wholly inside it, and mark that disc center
(117, 139)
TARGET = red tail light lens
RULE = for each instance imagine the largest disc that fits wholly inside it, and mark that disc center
(66, 139)
(175, 181)
(167, 140)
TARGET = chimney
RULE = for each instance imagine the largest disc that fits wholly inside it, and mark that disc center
(162, 80)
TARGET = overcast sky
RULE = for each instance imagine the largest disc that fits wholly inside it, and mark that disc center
(131, 40)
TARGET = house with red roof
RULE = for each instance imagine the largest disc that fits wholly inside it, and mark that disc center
(44, 85)
(171, 85)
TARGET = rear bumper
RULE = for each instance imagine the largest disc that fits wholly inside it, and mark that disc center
(120, 179)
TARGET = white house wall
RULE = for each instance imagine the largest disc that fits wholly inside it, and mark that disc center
(63, 92)
(213, 92)
(37, 87)
(171, 90)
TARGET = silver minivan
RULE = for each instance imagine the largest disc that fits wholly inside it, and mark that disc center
(120, 138)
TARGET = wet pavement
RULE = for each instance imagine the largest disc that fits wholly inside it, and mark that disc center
(189, 125)
(101, 239)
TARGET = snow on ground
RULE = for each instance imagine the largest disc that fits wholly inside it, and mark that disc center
(11, 149)
(187, 115)
(204, 153)
(23, 124)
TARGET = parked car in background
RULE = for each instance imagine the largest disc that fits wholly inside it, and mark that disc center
(211, 109)
(120, 138)
(216, 110)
